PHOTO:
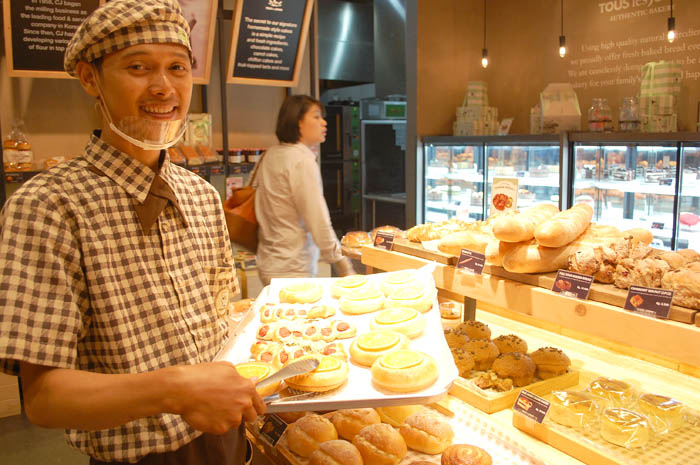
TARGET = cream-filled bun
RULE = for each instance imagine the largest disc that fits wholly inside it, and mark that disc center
(417, 296)
(259, 370)
(349, 422)
(404, 371)
(380, 444)
(336, 452)
(573, 408)
(404, 320)
(396, 280)
(306, 434)
(625, 427)
(329, 374)
(344, 329)
(367, 299)
(427, 433)
(395, 416)
(366, 348)
(666, 414)
(348, 284)
(304, 292)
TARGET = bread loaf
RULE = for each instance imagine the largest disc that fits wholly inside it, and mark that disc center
(564, 227)
(521, 226)
(474, 239)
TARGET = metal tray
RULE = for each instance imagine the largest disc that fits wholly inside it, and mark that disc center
(358, 391)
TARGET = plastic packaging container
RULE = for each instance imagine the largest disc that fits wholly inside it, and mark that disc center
(599, 116)
(629, 115)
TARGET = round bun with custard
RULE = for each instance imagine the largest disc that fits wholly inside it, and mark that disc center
(510, 343)
(625, 428)
(403, 320)
(331, 373)
(550, 362)
(259, 370)
(303, 292)
(465, 454)
(427, 433)
(336, 452)
(483, 351)
(380, 444)
(396, 415)
(365, 299)
(404, 371)
(366, 348)
(347, 285)
(306, 434)
(416, 295)
(349, 422)
(516, 366)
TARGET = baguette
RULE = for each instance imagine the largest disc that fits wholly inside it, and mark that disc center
(564, 227)
(475, 240)
(521, 226)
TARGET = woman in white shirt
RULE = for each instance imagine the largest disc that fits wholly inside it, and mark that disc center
(294, 223)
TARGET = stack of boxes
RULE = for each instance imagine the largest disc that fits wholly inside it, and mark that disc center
(661, 88)
(475, 117)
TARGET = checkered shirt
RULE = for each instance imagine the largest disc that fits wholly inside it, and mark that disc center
(119, 24)
(83, 287)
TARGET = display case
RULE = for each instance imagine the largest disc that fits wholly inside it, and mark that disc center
(459, 172)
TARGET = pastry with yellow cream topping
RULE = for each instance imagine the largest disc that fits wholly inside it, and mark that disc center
(367, 299)
(331, 373)
(365, 349)
(347, 285)
(404, 371)
(304, 292)
(404, 320)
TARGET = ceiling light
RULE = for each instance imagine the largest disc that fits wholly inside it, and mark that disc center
(484, 51)
(671, 35)
(562, 38)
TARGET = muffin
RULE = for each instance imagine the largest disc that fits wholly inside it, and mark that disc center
(510, 343)
(455, 337)
(464, 361)
(483, 351)
(475, 329)
(516, 366)
(550, 362)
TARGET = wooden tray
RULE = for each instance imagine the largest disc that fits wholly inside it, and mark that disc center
(492, 401)
(678, 447)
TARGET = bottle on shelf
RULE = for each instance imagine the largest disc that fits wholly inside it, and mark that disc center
(599, 116)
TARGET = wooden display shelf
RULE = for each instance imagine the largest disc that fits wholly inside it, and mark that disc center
(672, 341)
(417, 250)
(491, 402)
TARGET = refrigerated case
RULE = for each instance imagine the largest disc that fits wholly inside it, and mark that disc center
(459, 173)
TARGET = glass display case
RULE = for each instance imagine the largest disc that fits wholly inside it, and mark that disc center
(459, 172)
(689, 205)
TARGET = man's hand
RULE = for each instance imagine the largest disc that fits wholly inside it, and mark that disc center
(343, 267)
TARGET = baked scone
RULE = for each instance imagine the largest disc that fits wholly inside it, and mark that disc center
(403, 320)
(336, 452)
(417, 296)
(344, 329)
(550, 362)
(510, 343)
(329, 374)
(348, 284)
(618, 392)
(483, 351)
(465, 454)
(259, 370)
(366, 299)
(404, 371)
(573, 408)
(516, 366)
(397, 280)
(306, 434)
(349, 422)
(380, 444)
(427, 433)
(456, 338)
(396, 415)
(666, 414)
(463, 360)
(475, 329)
(304, 292)
(366, 348)
(624, 427)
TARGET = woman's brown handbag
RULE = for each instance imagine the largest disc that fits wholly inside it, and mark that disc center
(240, 214)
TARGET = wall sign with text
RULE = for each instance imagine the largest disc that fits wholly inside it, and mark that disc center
(268, 41)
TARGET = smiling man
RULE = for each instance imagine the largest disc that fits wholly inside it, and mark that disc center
(116, 269)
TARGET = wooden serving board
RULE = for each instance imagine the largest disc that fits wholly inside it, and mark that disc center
(492, 401)
(417, 250)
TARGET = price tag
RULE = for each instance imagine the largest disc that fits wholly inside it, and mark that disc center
(649, 301)
(572, 284)
(471, 262)
(272, 429)
(657, 225)
(384, 240)
(532, 406)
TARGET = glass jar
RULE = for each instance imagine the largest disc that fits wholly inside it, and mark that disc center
(599, 116)
(629, 114)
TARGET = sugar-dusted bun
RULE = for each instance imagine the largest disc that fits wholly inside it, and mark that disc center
(456, 338)
(483, 351)
(417, 295)
(304, 292)
(380, 444)
(366, 348)
(573, 408)
(259, 370)
(666, 414)
(403, 320)
(510, 343)
(347, 285)
(336, 452)
(463, 360)
(465, 454)
(624, 427)
(404, 371)
(366, 299)
(356, 239)
(427, 433)
(475, 329)
(349, 422)
(618, 392)
(550, 362)
(396, 415)
(330, 374)
(516, 366)
(306, 434)
(397, 280)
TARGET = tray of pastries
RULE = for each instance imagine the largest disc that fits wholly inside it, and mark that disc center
(378, 339)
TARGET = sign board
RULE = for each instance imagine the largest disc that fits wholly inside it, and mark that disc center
(572, 284)
(531, 405)
(649, 301)
(471, 262)
(37, 33)
(201, 16)
(384, 240)
(268, 42)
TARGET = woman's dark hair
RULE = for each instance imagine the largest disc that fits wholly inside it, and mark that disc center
(291, 112)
